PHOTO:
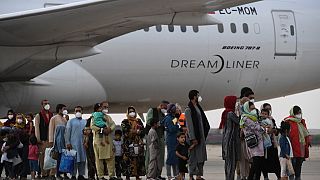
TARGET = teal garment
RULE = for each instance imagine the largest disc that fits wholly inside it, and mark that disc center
(98, 119)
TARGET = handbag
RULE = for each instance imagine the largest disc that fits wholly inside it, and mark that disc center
(251, 140)
(54, 154)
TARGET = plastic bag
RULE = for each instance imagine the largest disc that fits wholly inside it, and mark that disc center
(68, 159)
(49, 163)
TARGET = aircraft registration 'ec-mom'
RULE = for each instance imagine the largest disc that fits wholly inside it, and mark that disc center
(138, 52)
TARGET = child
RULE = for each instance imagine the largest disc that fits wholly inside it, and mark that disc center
(118, 152)
(10, 157)
(99, 120)
(183, 155)
(29, 126)
(267, 124)
(33, 156)
(154, 151)
(285, 151)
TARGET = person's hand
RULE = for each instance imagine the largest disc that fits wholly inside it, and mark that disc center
(287, 156)
(184, 158)
(6, 148)
(69, 147)
(194, 142)
(106, 131)
(50, 144)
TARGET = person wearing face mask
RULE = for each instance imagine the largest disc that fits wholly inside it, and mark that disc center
(57, 127)
(11, 121)
(250, 125)
(74, 140)
(198, 128)
(157, 114)
(104, 154)
(41, 127)
(133, 148)
(299, 138)
(172, 128)
(20, 131)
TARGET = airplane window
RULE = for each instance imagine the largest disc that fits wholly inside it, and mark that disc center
(220, 28)
(158, 28)
(171, 28)
(195, 29)
(292, 30)
(183, 28)
(256, 28)
(245, 28)
(146, 29)
(233, 28)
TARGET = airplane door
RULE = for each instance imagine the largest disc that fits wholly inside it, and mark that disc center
(285, 33)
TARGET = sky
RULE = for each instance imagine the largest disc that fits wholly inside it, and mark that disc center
(308, 101)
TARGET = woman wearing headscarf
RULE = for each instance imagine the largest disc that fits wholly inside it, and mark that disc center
(299, 138)
(11, 119)
(230, 137)
(249, 123)
(133, 148)
(19, 130)
(172, 129)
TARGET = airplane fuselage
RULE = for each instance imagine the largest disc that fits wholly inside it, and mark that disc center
(270, 46)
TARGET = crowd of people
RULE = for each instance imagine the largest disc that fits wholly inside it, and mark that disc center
(251, 139)
(107, 150)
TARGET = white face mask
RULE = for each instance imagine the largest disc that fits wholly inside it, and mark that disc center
(105, 111)
(199, 99)
(164, 111)
(299, 116)
(47, 107)
(252, 100)
(19, 121)
(10, 116)
(65, 112)
(132, 114)
(78, 115)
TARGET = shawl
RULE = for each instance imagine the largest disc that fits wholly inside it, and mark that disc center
(195, 120)
(229, 104)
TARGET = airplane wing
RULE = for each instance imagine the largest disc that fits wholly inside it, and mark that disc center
(34, 41)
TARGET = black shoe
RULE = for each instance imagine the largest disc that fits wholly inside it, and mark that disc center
(113, 178)
(161, 178)
(73, 178)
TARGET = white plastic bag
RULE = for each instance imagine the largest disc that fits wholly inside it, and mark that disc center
(49, 163)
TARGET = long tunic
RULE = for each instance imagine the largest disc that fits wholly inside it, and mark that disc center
(57, 127)
(171, 139)
(133, 164)
(74, 136)
(254, 127)
(231, 144)
(106, 151)
(153, 146)
(160, 133)
(199, 153)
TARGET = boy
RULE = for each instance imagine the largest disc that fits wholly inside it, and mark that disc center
(154, 151)
(285, 151)
(117, 142)
(267, 124)
(183, 155)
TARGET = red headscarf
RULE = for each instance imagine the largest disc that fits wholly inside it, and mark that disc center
(229, 105)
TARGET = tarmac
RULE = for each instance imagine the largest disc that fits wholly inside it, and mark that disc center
(214, 167)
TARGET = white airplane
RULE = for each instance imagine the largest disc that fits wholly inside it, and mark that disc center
(123, 54)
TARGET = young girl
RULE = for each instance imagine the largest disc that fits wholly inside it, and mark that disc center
(100, 122)
(33, 156)
(285, 151)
